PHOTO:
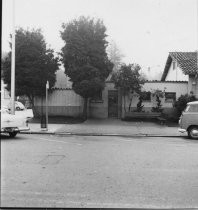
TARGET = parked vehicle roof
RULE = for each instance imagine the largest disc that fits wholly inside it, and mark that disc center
(193, 102)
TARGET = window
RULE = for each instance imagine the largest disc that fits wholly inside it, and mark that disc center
(174, 65)
(170, 96)
(97, 97)
(192, 108)
(146, 96)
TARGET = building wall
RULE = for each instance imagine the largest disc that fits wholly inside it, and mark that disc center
(178, 87)
(193, 85)
(65, 102)
(99, 109)
(61, 102)
(176, 74)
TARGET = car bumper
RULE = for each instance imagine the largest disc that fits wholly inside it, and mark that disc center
(181, 130)
(14, 129)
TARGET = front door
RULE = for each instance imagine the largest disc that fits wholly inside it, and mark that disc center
(113, 103)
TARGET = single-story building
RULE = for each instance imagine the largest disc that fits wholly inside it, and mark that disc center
(63, 101)
(182, 66)
(180, 76)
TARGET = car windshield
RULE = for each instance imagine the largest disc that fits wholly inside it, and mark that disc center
(187, 108)
(192, 108)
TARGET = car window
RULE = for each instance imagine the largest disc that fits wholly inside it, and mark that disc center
(192, 108)
(186, 109)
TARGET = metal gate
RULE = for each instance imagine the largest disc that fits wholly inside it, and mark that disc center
(113, 103)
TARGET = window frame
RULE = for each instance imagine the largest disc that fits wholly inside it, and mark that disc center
(147, 100)
(174, 65)
(97, 98)
(170, 100)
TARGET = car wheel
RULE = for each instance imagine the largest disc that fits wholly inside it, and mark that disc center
(13, 134)
(17, 108)
(193, 132)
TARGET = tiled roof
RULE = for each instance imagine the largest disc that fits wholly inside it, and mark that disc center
(187, 61)
(159, 81)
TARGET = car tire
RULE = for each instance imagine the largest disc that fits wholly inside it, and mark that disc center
(13, 134)
(18, 108)
(191, 132)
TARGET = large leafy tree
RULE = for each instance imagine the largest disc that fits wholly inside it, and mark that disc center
(34, 64)
(84, 56)
(129, 80)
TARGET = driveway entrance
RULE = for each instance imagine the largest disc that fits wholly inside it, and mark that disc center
(112, 103)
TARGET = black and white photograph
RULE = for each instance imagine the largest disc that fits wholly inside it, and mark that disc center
(99, 104)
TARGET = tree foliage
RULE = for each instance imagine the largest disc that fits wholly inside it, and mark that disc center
(84, 56)
(128, 78)
(34, 64)
(182, 101)
(158, 94)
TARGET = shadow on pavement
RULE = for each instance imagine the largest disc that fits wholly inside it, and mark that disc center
(59, 120)
(6, 137)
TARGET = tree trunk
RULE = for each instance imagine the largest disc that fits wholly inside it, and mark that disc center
(130, 104)
(85, 108)
(35, 112)
(125, 103)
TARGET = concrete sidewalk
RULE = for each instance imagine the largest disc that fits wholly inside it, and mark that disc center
(108, 127)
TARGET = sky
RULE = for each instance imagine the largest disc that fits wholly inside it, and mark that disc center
(145, 31)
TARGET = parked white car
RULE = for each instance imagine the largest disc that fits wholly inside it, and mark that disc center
(189, 120)
(27, 113)
(18, 106)
(20, 110)
(12, 124)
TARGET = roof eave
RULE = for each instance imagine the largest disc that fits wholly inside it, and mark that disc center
(167, 66)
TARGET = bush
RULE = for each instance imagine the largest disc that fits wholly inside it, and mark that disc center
(158, 94)
(182, 101)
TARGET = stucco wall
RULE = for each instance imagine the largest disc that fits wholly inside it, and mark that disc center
(69, 111)
(99, 109)
(68, 103)
(176, 74)
(61, 102)
(178, 87)
(61, 97)
(193, 85)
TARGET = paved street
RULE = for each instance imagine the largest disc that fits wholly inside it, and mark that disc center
(92, 171)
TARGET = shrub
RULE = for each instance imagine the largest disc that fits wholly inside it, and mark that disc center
(182, 101)
(158, 94)
(139, 105)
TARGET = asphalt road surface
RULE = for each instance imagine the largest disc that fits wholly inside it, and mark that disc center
(100, 172)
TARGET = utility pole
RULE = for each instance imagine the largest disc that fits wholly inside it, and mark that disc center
(197, 36)
(13, 63)
(196, 76)
(46, 104)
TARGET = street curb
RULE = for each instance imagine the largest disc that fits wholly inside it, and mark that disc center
(37, 132)
(98, 134)
(114, 135)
